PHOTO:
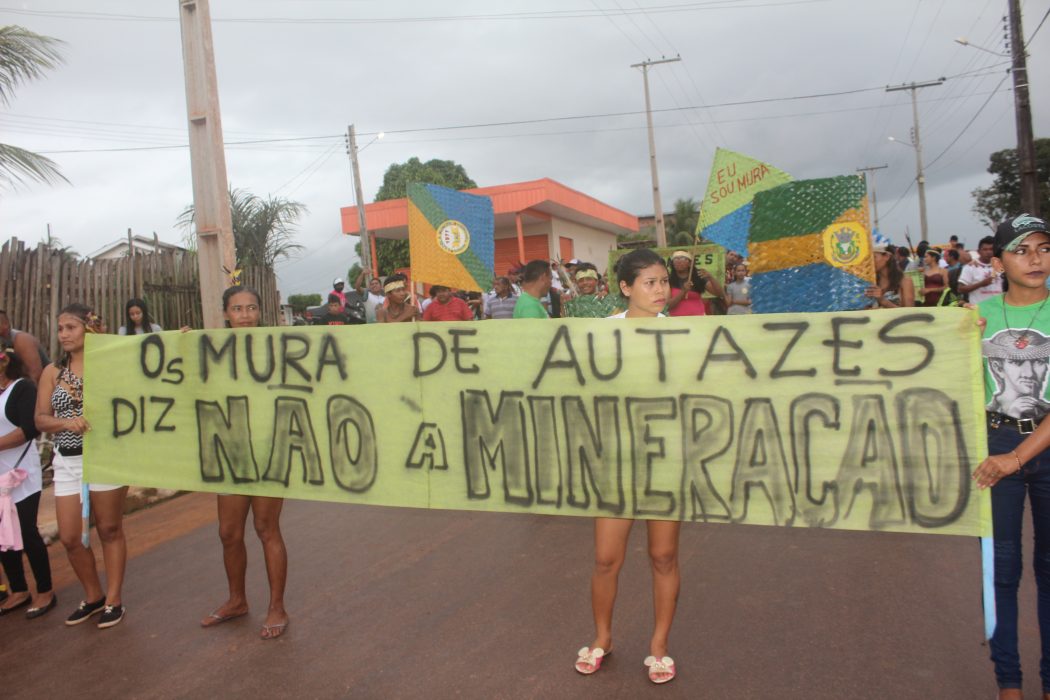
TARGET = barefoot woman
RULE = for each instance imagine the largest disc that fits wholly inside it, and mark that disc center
(240, 306)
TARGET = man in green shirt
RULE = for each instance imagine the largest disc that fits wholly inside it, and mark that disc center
(587, 304)
(535, 283)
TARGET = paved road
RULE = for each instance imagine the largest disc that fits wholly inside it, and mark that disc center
(400, 603)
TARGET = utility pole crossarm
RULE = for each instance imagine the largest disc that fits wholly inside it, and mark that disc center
(658, 212)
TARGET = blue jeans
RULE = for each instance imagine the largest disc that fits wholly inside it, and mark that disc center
(1007, 513)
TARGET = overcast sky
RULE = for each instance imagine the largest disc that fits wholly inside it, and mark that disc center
(307, 68)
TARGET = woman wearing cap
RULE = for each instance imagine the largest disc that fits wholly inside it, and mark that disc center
(688, 283)
(934, 278)
(892, 289)
(1016, 347)
(396, 308)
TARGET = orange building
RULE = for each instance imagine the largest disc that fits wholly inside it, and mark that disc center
(540, 219)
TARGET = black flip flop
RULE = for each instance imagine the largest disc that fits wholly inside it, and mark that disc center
(8, 611)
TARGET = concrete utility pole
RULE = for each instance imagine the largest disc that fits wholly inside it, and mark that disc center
(211, 199)
(917, 145)
(658, 212)
(874, 202)
(1023, 115)
(367, 262)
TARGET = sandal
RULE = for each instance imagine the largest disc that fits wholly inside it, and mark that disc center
(660, 670)
(216, 619)
(274, 631)
(590, 660)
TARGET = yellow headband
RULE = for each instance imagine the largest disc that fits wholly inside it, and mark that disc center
(586, 274)
(681, 254)
(394, 285)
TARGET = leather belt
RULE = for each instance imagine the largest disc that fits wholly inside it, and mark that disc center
(1024, 425)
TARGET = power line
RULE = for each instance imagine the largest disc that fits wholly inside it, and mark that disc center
(1038, 27)
(969, 123)
(541, 120)
(512, 16)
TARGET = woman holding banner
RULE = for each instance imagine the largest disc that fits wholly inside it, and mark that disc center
(689, 283)
(60, 411)
(1016, 348)
(241, 307)
(934, 278)
(892, 289)
(644, 285)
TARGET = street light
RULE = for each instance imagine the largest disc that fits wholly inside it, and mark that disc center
(963, 41)
(377, 137)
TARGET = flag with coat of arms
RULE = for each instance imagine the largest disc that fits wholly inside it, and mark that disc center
(451, 237)
(810, 246)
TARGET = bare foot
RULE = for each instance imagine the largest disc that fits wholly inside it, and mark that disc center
(1011, 694)
(224, 613)
(275, 625)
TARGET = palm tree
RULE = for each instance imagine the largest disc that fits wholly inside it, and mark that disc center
(686, 214)
(263, 229)
(25, 56)
(55, 243)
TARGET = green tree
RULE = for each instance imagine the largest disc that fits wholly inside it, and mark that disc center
(301, 302)
(393, 254)
(264, 230)
(25, 56)
(1003, 198)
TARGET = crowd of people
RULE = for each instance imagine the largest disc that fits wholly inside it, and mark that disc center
(537, 289)
(1005, 279)
(927, 276)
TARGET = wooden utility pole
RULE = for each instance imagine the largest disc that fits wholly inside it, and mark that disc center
(658, 212)
(874, 201)
(131, 266)
(359, 199)
(916, 143)
(1023, 115)
(216, 254)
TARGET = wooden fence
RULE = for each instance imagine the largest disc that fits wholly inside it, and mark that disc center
(35, 283)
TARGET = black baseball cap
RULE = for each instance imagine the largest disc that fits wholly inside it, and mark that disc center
(1012, 232)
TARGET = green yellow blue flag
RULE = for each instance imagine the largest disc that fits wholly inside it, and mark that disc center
(451, 237)
(726, 212)
(811, 246)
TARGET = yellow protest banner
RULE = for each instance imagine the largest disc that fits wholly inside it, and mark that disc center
(865, 421)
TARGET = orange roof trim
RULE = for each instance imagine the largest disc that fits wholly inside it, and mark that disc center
(544, 195)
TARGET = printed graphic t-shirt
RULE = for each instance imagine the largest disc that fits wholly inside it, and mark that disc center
(1015, 359)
